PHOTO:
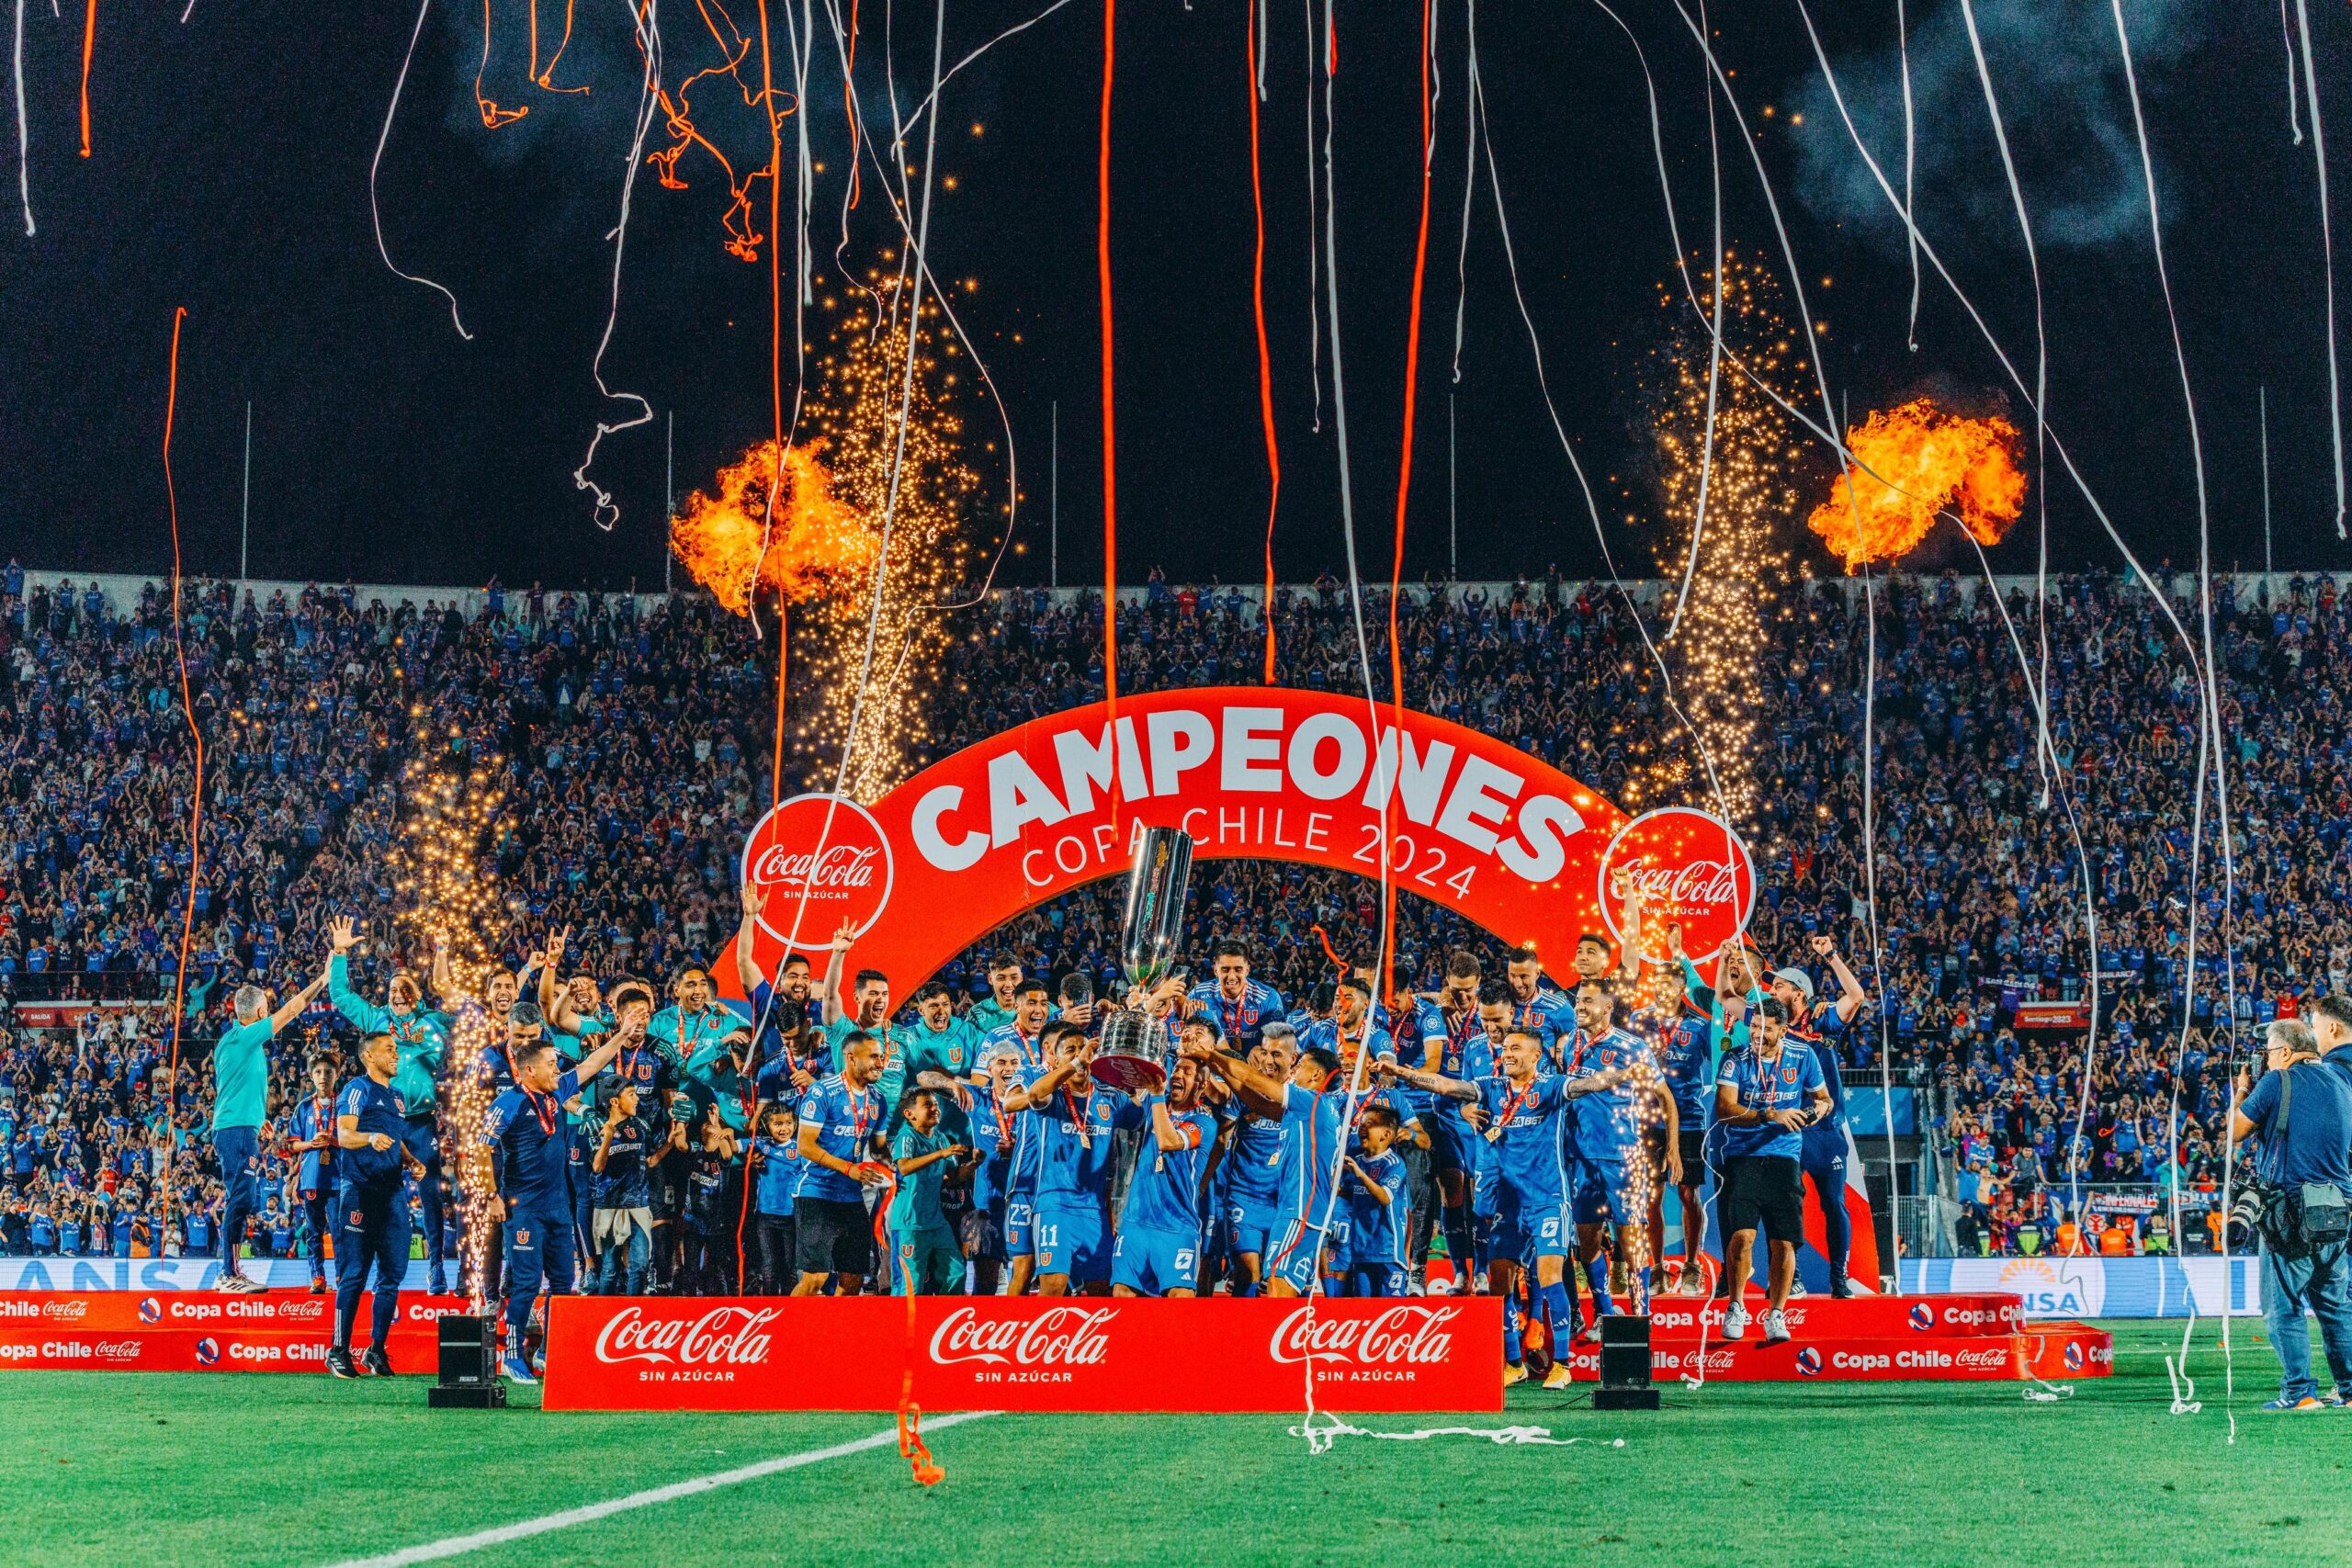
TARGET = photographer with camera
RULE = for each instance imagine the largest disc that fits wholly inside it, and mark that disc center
(2302, 1112)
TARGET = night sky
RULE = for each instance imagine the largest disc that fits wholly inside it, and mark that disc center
(230, 176)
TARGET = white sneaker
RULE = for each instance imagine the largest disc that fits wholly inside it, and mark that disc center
(1735, 1321)
(1776, 1326)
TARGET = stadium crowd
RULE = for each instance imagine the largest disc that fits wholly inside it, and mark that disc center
(631, 741)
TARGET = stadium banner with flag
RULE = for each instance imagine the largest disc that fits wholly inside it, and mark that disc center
(1212, 1355)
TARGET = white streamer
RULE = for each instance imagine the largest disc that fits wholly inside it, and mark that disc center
(648, 23)
(1910, 163)
(374, 212)
(2041, 394)
(2287, 31)
(1319, 1440)
(24, 152)
(2327, 250)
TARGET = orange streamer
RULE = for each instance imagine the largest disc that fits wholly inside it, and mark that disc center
(492, 116)
(1265, 362)
(544, 74)
(89, 44)
(196, 801)
(1110, 423)
(911, 1447)
(1404, 471)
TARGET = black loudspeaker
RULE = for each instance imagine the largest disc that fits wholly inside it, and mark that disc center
(1624, 1364)
(468, 1365)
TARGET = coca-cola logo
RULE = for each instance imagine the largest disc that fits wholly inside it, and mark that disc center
(1990, 1358)
(1059, 1336)
(1685, 867)
(1404, 1334)
(815, 861)
(72, 1309)
(723, 1336)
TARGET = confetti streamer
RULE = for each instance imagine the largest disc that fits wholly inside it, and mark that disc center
(196, 742)
(2327, 250)
(89, 46)
(1255, 20)
(375, 211)
(24, 151)
(648, 44)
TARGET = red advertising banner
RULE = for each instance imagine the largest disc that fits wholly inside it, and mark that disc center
(1510, 842)
(1214, 1355)
(286, 1311)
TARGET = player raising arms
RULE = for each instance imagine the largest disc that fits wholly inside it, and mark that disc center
(1680, 1035)
(1158, 1251)
(1075, 1159)
(1608, 1142)
(1306, 1166)
(1821, 1026)
(423, 1039)
(1023, 1034)
(1520, 1113)
(1454, 1045)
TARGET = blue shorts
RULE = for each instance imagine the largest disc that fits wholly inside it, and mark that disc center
(1378, 1278)
(1249, 1226)
(1152, 1263)
(1525, 1232)
(1602, 1193)
(1453, 1146)
(1486, 1183)
(1073, 1240)
(1339, 1246)
(1019, 1225)
(1294, 1256)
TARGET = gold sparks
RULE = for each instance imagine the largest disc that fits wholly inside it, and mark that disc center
(1716, 650)
(447, 890)
(909, 470)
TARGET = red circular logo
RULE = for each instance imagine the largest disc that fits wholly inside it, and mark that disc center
(1689, 868)
(815, 861)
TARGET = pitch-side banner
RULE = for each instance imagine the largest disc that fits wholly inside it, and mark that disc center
(1503, 838)
(1211, 1355)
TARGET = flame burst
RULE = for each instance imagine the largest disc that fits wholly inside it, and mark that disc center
(816, 544)
(1913, 462)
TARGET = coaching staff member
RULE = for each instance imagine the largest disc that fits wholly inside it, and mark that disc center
(2302, 1113)
(1765, 1097)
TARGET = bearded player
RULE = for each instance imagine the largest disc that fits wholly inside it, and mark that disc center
(1608, 1144)
(1158, 1251)
(1520, 1112)
(1307, 1164)
(1454, 1045)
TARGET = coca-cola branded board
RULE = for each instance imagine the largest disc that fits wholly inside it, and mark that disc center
(2052, 1351)
(1210, 1356)
(1498, 836)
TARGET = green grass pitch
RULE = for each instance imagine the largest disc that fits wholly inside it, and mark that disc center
(115, 1468)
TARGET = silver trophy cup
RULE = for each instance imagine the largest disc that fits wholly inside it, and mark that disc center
(1133, 1055)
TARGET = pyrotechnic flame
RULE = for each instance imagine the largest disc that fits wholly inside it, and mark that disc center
(1913, 462)
(817, 544)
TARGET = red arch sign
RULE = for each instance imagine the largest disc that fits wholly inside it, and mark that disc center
(1507, 841)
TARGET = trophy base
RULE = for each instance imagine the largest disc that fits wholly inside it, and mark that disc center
(1129, 1075)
